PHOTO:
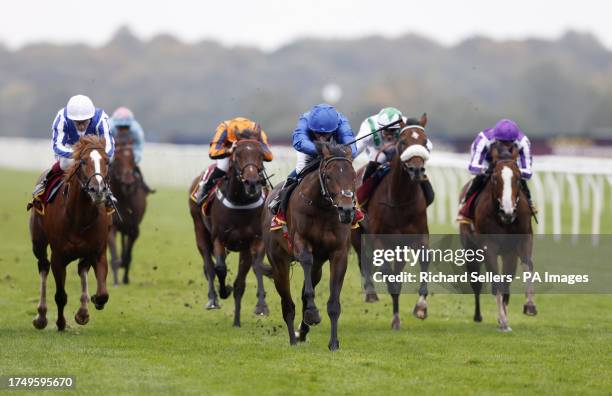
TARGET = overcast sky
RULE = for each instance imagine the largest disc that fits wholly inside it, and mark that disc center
(272, 23)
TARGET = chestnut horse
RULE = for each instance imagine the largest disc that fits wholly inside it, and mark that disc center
(131, 205)
(319, 216)
(398, 206)
(76, 226)
(234, 225)
(501, 209)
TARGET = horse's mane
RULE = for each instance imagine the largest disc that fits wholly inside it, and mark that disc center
(84, 145)
(336, 150)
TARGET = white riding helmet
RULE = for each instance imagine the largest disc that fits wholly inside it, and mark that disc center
(389, 115)
(80, 108)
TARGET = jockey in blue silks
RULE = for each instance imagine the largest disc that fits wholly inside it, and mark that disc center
(321, 123)
(79, 118)
(507, 133)
(123, 123)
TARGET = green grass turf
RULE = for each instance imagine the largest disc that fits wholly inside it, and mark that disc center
(154, 336)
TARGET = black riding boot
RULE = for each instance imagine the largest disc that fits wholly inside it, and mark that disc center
(210, 183)
(370, 169)
(145, 186)
(525, 188)
(477, 184)
(428, 191)
(283, 195)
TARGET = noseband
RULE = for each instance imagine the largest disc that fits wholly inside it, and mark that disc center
(240, 170)
(324, 189)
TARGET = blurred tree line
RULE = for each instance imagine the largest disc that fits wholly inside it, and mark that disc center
(180, 92)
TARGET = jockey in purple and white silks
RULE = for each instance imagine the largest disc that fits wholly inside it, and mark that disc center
(80, 117)
(508, 133)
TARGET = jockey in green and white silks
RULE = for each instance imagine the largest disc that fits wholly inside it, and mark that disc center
(386, 138)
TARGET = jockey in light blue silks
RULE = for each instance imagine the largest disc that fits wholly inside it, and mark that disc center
(80, 117)
(321, 123)
(507, 133)
(123, 123)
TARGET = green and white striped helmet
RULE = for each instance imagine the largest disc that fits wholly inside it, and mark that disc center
(389, 115)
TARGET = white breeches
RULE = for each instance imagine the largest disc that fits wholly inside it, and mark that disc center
(65, 163)
(223, 164)
(302, 160)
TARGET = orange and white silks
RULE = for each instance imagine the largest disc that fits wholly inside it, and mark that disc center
(236, 129)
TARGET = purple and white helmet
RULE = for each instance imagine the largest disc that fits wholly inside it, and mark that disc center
(506, 130)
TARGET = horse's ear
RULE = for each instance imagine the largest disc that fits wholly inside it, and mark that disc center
(423, 120)
(494, 153)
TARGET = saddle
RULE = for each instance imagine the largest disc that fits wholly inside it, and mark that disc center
(204, 176)
(44, 197)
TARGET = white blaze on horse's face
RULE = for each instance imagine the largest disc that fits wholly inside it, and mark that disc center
(507, 204)
(96, 158)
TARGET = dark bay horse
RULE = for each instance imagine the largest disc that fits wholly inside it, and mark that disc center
(131, 205)
(319, 216)
(75, 225)
(502, 223)
(234, 225)
(398, 206)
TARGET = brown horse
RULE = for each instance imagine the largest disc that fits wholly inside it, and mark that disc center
(502, 223)
(398, 206)
(319, 216)
(76, 226)
(233, 225)
(131, 205)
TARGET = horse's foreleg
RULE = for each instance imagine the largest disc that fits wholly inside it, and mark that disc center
(126, 255)
(420, 308)
(316, 278)
(529, 308)
(257, 251)
(244, 265)
(304, 255)
(58, 266)
(204, 247)
(82, 315)
(40, 251)
(221, 269)
(338, 265)
(101, 270)
(280, 267)
(364, 268)
(394, 289)
(473, 267)
(115, 261)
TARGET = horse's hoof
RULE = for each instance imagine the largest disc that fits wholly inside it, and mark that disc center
(312, 317)
(99, 301)
(61, 324)
(334, 345)
(82, 317)
(40, 322)
(371, 297)
(126, 281)
(420, 311)
(505, 328)
(530, 309)
(213, 304)
(225, 293)
(477, 318)
(262, 309)
(236, 324)
(395, 323)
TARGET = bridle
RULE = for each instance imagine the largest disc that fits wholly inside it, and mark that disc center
(114, 170)
(239, 170)
(323, 184)
(402, 131)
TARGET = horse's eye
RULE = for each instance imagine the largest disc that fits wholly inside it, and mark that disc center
(83, 162)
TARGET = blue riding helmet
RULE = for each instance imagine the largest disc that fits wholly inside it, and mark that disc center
(323, 118)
